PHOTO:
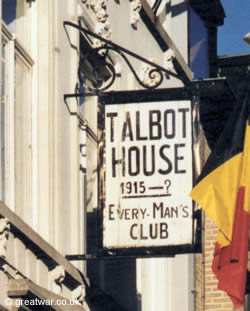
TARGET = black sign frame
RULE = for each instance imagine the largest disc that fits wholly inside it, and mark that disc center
(122, 97)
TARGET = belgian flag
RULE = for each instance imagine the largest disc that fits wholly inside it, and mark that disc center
(222, 191)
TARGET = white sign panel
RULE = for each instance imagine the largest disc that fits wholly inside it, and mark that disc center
(149, 175)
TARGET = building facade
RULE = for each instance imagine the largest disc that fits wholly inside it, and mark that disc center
(49, 147)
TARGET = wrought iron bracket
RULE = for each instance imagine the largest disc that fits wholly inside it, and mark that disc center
(101, 55)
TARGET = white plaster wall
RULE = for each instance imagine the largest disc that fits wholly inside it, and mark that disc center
(179, 26)
(57, 132)
(138, 40)
(55, 194)
(166, 283)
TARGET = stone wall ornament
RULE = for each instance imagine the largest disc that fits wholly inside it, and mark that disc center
(57, 277)
(100, 9)
(4, 236)
(103, 30)
(135, 8)
(93, 3)
(148, 75)
(169, 56)
(78, 295)
(102, 26)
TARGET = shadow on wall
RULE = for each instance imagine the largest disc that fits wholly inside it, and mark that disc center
(113, 282)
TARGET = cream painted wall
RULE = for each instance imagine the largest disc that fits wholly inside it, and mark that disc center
(57, 151)
(179, 26)
(137, 39)
(57, 186)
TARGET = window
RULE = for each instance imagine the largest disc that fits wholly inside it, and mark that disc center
(22, 134)
(16, 125)
(2, 114)
(15, 15)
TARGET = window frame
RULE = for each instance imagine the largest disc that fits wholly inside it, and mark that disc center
(14, 49)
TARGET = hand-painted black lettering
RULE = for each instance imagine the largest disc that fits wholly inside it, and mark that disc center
(185, 212)
(111, 115)
(163, 230)
(142, 236)
(166, 159)
(178, 158)
(111, 212)
(169, 123)
(133, 161)
(138, 127)
(153, 231)
(184, 120)
(127, 128)
(146, 158)
(132, 233)
(156, 209)
(116, 161)
(155, 131)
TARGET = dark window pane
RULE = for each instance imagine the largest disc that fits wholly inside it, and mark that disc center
(9, 12)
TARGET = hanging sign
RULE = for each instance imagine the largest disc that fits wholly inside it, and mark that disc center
(148, 174)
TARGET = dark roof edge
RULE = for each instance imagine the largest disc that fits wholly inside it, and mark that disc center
(233, 60)
(212, 12)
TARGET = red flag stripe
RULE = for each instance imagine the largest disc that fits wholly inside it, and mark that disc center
(230, 262)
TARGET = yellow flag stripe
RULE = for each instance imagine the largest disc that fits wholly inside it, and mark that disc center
(216, 194)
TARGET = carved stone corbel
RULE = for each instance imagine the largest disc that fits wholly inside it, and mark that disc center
(78, 295)
(90, 3)
(147, 77)
(169, 56)
(4, 236)
(98, 6)
(57, 277)
(103, 30)
(102, 26)
(135, 8)
(100, 10)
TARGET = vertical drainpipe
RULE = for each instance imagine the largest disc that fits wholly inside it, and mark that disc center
(198, 165)
(83, 192)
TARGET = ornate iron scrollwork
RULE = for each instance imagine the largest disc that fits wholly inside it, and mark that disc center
(156, 72)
